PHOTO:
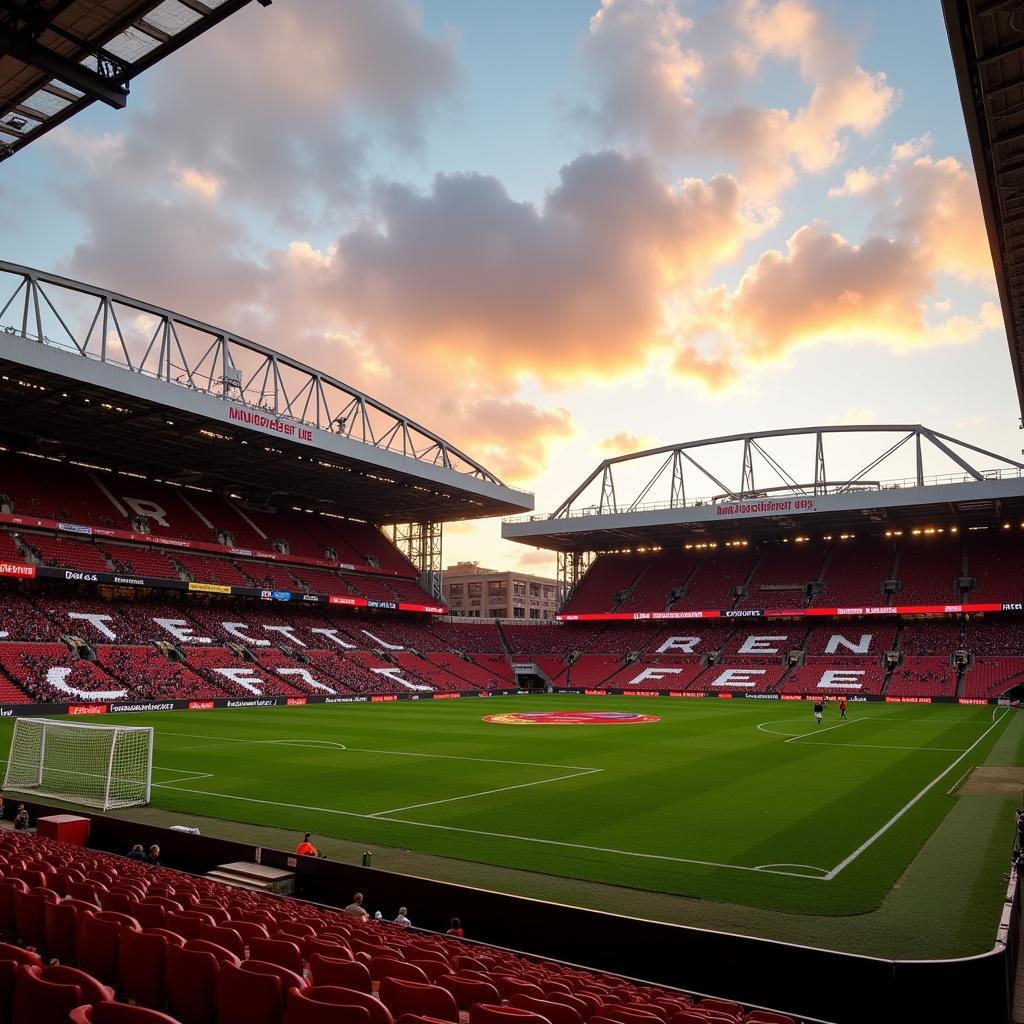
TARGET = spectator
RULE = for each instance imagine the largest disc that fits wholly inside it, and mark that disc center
(137, 852)
(306, 848)
(403, 918)
(356, 908)
(455, 928)
(153, 857)
(378, 916)
(21, 820)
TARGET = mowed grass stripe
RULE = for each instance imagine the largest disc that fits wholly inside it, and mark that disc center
(691, 805)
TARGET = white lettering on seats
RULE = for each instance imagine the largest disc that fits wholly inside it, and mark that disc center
(682, 644)
(246, 678)
(287, 631)
(57, 678)
(840, 679)
(654, 674)
(761, 644)
(383, 643)
(306, 676)
(235, 629)
(332, 634)
(145, 509)
(745, 677)
(181, 630)
(98, 621)
(861, 647)
(395, 675)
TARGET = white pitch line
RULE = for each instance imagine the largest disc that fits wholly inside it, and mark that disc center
(880, 746)
(828, 728)
(907, 806)
(368, 750)
(499, 835)
(486, 792)
(172, 783)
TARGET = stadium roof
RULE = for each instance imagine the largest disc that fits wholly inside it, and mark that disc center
(90, 376)
(59, 56)
(986, 38)
(779, 483)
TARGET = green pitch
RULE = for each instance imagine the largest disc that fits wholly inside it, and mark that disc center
(748, 802)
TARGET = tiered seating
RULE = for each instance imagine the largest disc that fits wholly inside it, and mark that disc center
(768, 641)
(658, 673)
(206, 569)
(437, 675)
(856, 570)
(591, 670)
(50, 673)
(165, 510)
(836, 676)
(269, 576)
(756, 675)
(928, 571)
(478, 638)
(148, 675)
(719, 571)
(369, 543)
(840, 640)
(995, 636)
(790, 566)
(607, 576)
(277, 526)
(225, 516)
(992, 677)
(67, 554)
(496, 666)
(142, 561)
(663, 574)
(930, 637)
(547, 638)
(322, 581)
(22, 620)
(410, 592)
(372, 588)
(8, 549)
(202, 951)
(994, 558)
(237, 678)
(49, 491)
(923, 677)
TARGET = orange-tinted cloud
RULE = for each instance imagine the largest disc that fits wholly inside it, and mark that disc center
(624, 443)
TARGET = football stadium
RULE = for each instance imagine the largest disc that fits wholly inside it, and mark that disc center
(764, 765)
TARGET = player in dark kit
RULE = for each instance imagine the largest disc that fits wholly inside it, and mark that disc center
(842, 709)
(819, 710)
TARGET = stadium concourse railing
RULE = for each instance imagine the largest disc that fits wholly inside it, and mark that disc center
(815, 984)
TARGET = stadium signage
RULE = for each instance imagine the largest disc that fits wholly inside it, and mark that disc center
(446, 696)
(251, 704)
(1013, 606)
(273, 424)
(118, 708)
(83, 577)
(792, 613)
(281, 595)
(200, 705)
(908, 700)
(292, 702)
(383, 698)
(75, 528)
(210, 588)
(130, 581)
(27, 572)
(743, 613)
(87, 709)
(389, 605)
(767, 507)
(760, 696)
(971, 700)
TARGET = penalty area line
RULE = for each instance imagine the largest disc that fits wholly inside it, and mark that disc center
(910, 803)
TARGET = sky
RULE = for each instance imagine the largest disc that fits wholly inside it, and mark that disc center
(556, 230)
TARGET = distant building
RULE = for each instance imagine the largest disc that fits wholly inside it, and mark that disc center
(470, 589)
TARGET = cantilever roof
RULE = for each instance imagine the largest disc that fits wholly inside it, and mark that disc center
(59, 56)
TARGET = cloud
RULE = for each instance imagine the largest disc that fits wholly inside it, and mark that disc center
(538, 563)
(657, 94)
(624, 443)
(931, 202)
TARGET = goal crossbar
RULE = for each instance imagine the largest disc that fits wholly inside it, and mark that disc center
(103, 766)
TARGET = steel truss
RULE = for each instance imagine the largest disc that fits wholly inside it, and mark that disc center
(666, 487)
(421, 543)
(153, 342)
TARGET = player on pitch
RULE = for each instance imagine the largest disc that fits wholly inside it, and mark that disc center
(842, 709)
(819, 709)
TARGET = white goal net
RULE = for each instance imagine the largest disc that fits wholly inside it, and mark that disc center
(105, 766)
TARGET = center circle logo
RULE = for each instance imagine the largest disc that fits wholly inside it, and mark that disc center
(571, 718)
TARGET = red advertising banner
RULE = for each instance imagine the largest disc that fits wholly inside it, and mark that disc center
(87, 709)
(383, 698)
(17, 569)
(200, 705)
(292, 702)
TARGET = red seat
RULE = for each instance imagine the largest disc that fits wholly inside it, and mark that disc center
(726, 1007)
(163, 901)
(767, 1017)
(378, 1012)
(38, 1001)
(468, 963)
(117, 1013)
(60, 925)
(222, 953)
(277, 951)
(298, 928)
(325, 970)
(150, 915)
(629, 1014)
(302, 1008)
(96, 945)
(187, 922)
(192, 977)
(556, 1013)
(468, 992)
(583, 1003)
(433, 969)
(226, 937)
(19, 955)
(402, 996)
(215, 910)
(141, 960)
(121, 902)
(333, 948)
(247, 929)
(8, 921)
(246, 996)
(385, 967)
(88, 892)
(509, 986)
(288, 978)
(491, 1013)
(28, 917)
(92, 990)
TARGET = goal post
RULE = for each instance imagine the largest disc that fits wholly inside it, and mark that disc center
(104, 766)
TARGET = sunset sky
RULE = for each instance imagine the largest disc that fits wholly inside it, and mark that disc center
(553, 230)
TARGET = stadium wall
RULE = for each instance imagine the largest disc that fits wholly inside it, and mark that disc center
(823, 984)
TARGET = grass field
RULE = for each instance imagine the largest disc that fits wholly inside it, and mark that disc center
(744, 802)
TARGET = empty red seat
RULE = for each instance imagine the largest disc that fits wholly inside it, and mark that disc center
(277, 951)
(509, 986)
(60, 925)
(222, 954)
(467, 991)
(335, 948)
(325, 970)
(304, 1008)
(150, 915)
(93, 991)
(725, 1007)
(29, 908)
(247, 929)
(403, 996)
(19, 955)
(556, 1013)
(8, 921)
(186, 922)
(250, 997)
(118, 1013)
(377, 1011)
(767, 1017)
(492, 1013)
(226, 937)
(191, 984)
(298, 928)
(385, 967)
(141, 958)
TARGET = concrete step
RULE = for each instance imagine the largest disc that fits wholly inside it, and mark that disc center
(248, 875)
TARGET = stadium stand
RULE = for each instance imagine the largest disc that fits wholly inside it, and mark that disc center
(783, 575)
(992, 677)
(832, 677)
(855, 571)
(994, 557)
(157, 945)
(923, 677)
(717, 575)
(928, 571)
(608, 576)
(661, 575)
(841, 639)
